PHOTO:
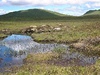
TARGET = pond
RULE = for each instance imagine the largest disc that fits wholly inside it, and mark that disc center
(15, 48)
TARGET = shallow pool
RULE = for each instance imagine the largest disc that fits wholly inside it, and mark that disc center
(15, 48)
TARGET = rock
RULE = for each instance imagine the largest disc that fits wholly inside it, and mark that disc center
(30, 29)
(5, 31)
(57, 29)
(33, 26)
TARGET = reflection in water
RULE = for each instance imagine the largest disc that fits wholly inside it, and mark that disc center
(14, 49)
(8, 57)
(80, 58)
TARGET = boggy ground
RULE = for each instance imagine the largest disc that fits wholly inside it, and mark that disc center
(86, 34)
(82, 36)
(46, 64)
(88, 46)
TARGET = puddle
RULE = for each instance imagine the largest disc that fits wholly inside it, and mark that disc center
(15, 48)
(79, 59)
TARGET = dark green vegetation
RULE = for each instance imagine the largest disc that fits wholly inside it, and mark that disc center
(40, 14)
(93, 12)
(33, 14)
(74, 30)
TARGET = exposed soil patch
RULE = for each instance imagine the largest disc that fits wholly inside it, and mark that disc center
(64, 62)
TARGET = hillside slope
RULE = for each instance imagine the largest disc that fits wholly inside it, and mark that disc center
(92, 12)
(41, 14)
(32, 14)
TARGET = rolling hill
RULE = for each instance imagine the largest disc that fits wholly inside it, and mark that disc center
(33, 14)
(41, 14)
(92, 12)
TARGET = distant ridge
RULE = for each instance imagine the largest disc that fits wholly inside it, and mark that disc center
(32, 14)
(93, 12)
(42, 14)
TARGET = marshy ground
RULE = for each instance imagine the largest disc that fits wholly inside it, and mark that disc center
(82, 36)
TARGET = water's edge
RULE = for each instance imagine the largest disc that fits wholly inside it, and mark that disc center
(15, 48)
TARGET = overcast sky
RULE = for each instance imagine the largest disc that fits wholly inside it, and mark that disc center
(70, 7)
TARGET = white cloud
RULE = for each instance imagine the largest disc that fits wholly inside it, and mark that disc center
(88, 5)
(74, 10)
(71, 10)
(78, 7)
(96, 4)
(59, 1)
(3, 2)
(30, 2)
(47, 2)
(2, 11)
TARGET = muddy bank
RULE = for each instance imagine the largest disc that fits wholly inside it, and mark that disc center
(53, 41)
(89, 46)
(2, 37)
(66, 59)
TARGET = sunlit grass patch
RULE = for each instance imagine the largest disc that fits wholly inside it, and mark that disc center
(60, 50)
(39, 57)
(2, 35)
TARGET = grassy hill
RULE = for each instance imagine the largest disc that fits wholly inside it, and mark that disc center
(93, 12)
(32, 14)
(41, 14)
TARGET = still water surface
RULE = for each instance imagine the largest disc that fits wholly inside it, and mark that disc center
(11, 47)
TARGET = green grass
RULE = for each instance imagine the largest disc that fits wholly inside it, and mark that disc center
(41, 14)
(93, 12)
(32, 14)
(71, 31)
(35, 65)
(2, 35)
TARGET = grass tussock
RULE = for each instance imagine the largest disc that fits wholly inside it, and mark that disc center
(88, 46)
